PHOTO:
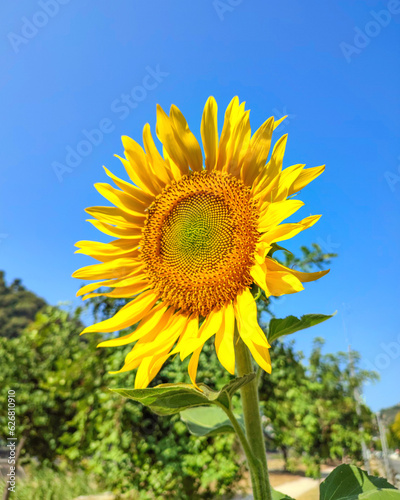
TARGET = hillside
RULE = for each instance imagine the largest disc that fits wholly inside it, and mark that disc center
(389, 414)
(18, 307)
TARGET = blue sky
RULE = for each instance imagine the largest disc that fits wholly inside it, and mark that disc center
(334, 70)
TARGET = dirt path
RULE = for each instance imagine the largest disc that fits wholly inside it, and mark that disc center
(298, 487)
(302, 485)
(295, 487)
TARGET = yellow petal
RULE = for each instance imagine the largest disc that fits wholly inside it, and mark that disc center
(130, 314)
(193, 364)
(166, 135)
(278, 122)
(151, 340)
(132, 233)
(148, 369)
(210, 326)
(125, 292)
(276, 162)
(275, 213)
(287, 231)
(258, 152)
(155, 320)
(273, 265)
(191, 331)
(152, 345)
(175, 170)
(137, 167)
(305, 177)
(121, 199)
(108, 251)
(224, 345)
(113, 247)
(91, 286)
(186, 140)
(250, 331)
(209, 133)
(138, 195)
(134, 276)
(238, 145)
(274, 168)
(290, 174)
(159, 167)
(261, 356)
(246, 316)
(282, 283)
(113, 215)
(107, 270)
(231, 115)
(258, 273)
(262, 250)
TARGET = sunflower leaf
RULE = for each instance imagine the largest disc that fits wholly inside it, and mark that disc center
(168, 399)
(225, 394)
(276, 495)
(348, 482)
(208, 421)
(237, 383)
(291, 324)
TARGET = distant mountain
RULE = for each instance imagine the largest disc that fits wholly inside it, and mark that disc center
(389, 414)
(18, 307)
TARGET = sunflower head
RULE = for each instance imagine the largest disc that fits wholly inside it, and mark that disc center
(191, 238)
(199, 241)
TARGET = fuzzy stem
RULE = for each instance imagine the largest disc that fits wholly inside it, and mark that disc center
(254, 464)
(252, 420)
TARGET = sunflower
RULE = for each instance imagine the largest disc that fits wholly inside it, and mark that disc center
(191, 240)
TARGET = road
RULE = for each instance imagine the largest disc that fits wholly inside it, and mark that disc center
(395, 464)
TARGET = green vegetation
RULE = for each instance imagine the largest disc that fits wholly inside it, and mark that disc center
(394, 433)
(18, 307)
(389, 414)
(76, 428)
(65, 410)
(310, 406)
(50, 484)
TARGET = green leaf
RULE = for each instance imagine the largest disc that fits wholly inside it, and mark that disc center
(285, 326)
(208, 421)
(168, 399)
(235, 384)
(384, 494)
(276, 495)
(348, 482)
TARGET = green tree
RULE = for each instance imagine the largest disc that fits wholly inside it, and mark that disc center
(28, 362)
(18, 307)
(312, 408)
(394, 433)
(65, 410)
(127, 446)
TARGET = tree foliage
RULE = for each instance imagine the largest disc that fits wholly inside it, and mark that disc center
(311, 407)
(28, 363)
(394, 432)
(18, 307)
(65, 409)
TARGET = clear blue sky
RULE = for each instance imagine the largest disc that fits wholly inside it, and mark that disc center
(334, 69)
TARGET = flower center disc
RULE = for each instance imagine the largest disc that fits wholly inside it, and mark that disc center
(199, 241)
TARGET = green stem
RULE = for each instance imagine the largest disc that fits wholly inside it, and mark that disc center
(258, 375)
(254, 464)
(252, 419)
